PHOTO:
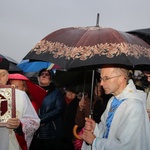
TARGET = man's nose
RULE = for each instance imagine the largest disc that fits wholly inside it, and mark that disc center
(101, 83)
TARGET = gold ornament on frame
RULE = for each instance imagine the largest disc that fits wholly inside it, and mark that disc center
(7, 103)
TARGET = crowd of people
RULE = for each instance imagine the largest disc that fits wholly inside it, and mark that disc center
(118, 118)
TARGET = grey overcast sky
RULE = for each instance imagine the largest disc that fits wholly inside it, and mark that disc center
(23, 23)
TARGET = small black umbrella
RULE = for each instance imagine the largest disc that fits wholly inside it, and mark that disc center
(13, 64)
(144, 34)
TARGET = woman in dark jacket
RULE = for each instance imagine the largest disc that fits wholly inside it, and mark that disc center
(50, 113)
(69, 117)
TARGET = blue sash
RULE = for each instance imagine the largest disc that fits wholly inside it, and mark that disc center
(114, 105)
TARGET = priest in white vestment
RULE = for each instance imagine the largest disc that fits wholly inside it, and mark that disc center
(19, 131)
(124, 125)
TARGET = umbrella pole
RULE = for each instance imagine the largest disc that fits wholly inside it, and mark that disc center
(91, 99)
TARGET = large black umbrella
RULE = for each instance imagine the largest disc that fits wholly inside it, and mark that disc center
(75, 47)
(88, 47)
(13, 68)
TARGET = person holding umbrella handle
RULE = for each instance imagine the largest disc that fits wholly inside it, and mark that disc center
(99, 103)
(124, 124)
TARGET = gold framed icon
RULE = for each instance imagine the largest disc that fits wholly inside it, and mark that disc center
(7, 103)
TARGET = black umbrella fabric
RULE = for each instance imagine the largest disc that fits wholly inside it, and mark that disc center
(13, 68)
(81, 80)
(144, 34)
(93, 46)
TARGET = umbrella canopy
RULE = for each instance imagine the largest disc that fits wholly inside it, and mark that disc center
(37, 93)
(142, 33)
(12, 64)
(35, 66)
(75, 47)
(81, 80)
(31, 68)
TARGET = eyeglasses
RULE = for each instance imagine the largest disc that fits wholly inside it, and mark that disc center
(45, 74)
(108, 78)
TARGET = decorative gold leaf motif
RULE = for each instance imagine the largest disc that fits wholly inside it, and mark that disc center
(109, 50)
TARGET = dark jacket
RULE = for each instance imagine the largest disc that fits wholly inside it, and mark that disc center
(51, 114)
(69, 119)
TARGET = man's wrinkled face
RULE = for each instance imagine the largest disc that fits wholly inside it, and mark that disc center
(3, 76)
(110, 80)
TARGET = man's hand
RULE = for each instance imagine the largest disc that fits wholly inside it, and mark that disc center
(88, 137)
(13, 123)
(89, 124)
(88, 130)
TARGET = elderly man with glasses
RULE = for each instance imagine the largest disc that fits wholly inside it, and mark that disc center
(18, 131)
(124, 124)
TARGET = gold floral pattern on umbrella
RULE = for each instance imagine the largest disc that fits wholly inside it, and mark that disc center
(85, 52)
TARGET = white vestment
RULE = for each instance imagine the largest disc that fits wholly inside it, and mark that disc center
(129, 129)
(28, 117)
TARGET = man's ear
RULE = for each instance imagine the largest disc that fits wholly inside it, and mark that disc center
(122, 78)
